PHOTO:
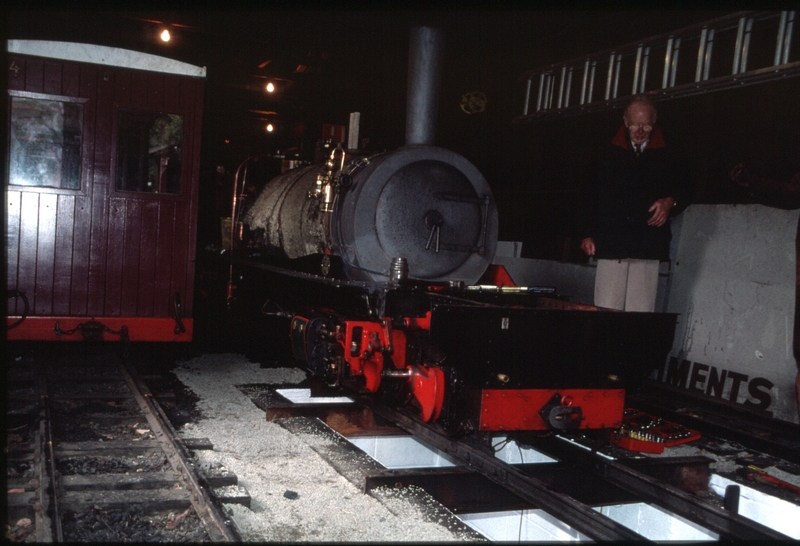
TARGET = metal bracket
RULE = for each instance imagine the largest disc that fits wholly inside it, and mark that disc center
(559, 416)
(179, 327)
(92, 330)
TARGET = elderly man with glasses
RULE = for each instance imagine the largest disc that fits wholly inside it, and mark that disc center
(634, 186)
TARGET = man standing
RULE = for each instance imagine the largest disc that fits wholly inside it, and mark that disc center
(633, 187)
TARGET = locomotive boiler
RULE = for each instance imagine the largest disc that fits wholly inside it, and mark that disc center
(383, 265)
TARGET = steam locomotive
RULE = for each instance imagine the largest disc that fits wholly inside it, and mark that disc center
(383, 265)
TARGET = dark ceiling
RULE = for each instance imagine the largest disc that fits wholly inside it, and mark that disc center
(326, 64)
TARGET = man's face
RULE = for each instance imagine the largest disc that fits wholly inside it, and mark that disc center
(639, 119)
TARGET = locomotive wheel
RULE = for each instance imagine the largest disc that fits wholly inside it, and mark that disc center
(321, 348)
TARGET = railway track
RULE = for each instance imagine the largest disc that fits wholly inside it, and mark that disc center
(92, 457)
(568, 489)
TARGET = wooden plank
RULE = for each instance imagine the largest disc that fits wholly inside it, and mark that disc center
(155, 90)
(62, 269)
(13, 218)
(217, 477)
(193, 182)
(122, 448)
(46, 253)
(79, 285)
(20, 483)
(83, 210)
(34, 75)
(102, 160)
(52, 77)
(70, 79)
(97, 247)
(111, 419)
(122, 87)
(20, 505)
(116, 242)
(130, 257)
(149, 235)
(180, 255)
(163, 265)
(171, 101)
(233, 494)
(139, 96)
(29, 231)
(197, 444)
(152, 499)
(91, 396)
(20, 452)
(122, 482)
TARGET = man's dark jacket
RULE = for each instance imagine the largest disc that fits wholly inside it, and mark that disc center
(619, 191)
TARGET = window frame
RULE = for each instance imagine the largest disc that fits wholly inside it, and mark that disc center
(185, 179)
(83, 101)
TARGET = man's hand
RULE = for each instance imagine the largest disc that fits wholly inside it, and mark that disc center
(660, 210)
(587, 245)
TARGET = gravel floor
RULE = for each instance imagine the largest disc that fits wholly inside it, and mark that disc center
(296, 495)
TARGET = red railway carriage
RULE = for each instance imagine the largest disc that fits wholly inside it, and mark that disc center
(102, 191)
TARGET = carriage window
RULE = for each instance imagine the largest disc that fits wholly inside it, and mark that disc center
(149, 151)
(45, 143)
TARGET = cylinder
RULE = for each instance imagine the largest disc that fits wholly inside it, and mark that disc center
(424, 76)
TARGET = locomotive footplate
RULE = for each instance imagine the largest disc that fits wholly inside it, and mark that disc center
(541, 368)
(470, 359)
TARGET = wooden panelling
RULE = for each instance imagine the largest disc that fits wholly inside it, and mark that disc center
(122, 88)
(116, 242)
(130, 256)
(139, 92)
(194, 187)
(79, 297)
(62, 269)
(16, 72)
(52, 78)
(172, 88)
(149, 235)
(163, 264)
(34, 75)
(98, 193)
(155, 90)
(70, 80)
(96, 251)
(45, 253)
(13, 202)
(28, 233)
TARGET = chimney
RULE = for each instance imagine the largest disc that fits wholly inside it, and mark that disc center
(424, 76)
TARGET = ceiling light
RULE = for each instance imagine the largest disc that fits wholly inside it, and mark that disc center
(270, 87)
(270, 127)
(165, 36)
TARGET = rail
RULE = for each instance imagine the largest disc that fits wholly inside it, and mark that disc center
(728, 525)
